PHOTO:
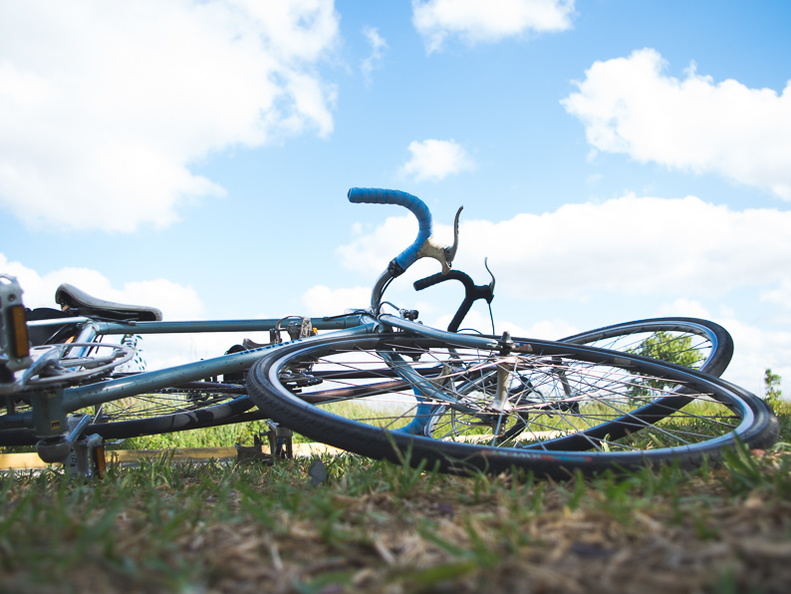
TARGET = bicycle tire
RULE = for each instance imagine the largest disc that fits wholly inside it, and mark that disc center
(627, 411)
(692, 342)
(195, 405)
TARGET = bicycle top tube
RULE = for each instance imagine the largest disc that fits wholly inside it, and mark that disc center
(251, 325)
(468, 340)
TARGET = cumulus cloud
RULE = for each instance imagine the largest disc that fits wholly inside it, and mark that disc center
(174, 300)
(322, 300)
(631, 106)
(434, 160)
(757, 349)
(630, 245)
(105, 106)
(780, 295)
(476, 22)
(684, 306)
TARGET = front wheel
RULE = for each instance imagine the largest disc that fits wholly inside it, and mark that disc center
(547, 407)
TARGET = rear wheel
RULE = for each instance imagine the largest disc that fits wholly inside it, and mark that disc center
(192, 405)
(691, 342)
(547, 407)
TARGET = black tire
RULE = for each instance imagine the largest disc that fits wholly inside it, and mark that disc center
(563, 408)
(193, 406)
(692, 342)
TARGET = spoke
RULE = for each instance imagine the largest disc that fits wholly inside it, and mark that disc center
(520, 400)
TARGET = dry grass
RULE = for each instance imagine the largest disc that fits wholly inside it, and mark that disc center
(375, 527)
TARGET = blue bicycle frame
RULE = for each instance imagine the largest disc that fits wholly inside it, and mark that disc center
(50, 405)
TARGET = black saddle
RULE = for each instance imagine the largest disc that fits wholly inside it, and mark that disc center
(79, 303)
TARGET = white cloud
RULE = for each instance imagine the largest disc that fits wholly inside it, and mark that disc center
(780, 295)
(475, 21)
(757, 349)
(436, 159)
(685, 307)
(378, 47)
(630, 106)
(104, 106)
(629, 245)
(322, 300)
(369, 253)
(174, 300)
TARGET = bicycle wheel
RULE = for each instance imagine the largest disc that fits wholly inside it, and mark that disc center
(691, 342)
(196, 406)
(191, 405)
(547, 407)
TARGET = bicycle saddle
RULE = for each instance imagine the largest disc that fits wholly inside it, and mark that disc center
(72, 299)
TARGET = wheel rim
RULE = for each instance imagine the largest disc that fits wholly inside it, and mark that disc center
(620, 408)
(694, 343)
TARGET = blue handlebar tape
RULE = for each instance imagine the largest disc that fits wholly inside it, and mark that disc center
(376, 196)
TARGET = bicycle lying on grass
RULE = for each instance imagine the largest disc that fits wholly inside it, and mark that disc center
(384, 385)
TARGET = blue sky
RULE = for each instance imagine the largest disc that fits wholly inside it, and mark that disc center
(616, 159)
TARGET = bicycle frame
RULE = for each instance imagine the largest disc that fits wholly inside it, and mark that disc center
(51, 404)
(48, 414)
(46, 401)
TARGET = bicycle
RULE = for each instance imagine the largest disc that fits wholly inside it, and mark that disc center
(206, 403)
(485, 401)
(203, 404)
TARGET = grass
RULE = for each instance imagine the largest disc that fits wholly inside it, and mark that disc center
(375, 527)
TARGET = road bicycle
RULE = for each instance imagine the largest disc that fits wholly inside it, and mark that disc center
(386, 386)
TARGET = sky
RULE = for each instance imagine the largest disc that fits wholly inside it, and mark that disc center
(616, 160)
